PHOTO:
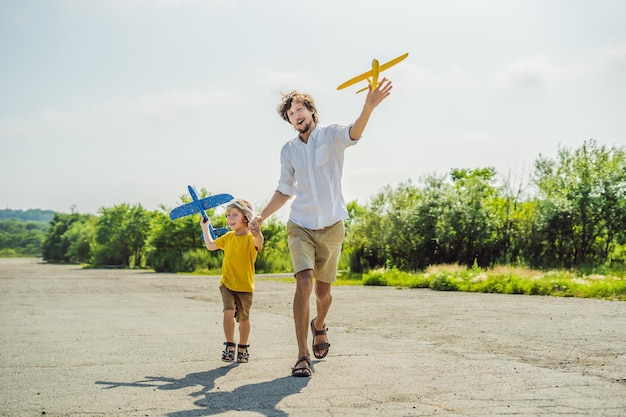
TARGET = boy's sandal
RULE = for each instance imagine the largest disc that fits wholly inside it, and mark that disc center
(242, 357)
(321, 349)
(228, 355)
(305, 370)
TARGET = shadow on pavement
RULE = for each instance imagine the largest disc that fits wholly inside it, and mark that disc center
(261, 397)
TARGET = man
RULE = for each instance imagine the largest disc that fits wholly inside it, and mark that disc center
(311, 166)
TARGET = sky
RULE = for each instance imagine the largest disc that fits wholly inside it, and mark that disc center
(129, 101)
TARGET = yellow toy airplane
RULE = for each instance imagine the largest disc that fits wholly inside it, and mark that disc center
(376, 69)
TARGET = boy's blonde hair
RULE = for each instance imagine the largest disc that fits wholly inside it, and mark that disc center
(244, 206)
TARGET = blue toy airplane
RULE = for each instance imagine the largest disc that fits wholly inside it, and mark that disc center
(199, 206)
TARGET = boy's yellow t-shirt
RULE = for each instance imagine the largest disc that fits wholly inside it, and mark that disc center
(238, 264)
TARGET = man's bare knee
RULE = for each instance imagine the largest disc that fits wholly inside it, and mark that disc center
(322, 290)
(304, 282)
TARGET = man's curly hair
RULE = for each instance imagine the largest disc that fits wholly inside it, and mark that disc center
(288, 100)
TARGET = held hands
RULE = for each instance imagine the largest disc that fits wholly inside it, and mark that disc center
(255, 225)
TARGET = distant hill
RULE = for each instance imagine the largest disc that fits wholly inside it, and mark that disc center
(35, 215)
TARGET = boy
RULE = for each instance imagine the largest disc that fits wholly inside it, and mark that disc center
(240, 248)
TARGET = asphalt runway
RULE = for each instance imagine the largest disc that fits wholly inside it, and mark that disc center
(78, 342)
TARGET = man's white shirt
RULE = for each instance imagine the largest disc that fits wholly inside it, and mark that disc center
(312, 172)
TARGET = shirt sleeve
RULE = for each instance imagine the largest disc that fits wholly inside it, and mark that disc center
(352, 141)
(342, 135)
(220, 242)
(287, 180)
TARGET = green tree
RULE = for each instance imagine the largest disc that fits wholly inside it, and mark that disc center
(79, 239)
(436, 198)
(471, 220)
(274, 257)
(22, 238)
(55, 246)
(351, 257)
(175, 245)
(441, 221)
(366, 236)
(513, 213)
(121, 234)
(583, 195)
(170, 240)
(402, 236)
(35, 215)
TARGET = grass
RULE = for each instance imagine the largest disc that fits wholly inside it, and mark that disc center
(501, 279)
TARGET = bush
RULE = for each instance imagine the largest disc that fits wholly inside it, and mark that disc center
(201, 259)
(375, 278)
(444, 282)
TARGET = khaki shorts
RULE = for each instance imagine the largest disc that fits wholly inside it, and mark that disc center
(318, 250)
(238, 301)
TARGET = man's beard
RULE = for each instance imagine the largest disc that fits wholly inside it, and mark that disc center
(304, 127)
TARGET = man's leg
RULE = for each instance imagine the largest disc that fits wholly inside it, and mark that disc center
(304, 287)
(323, 300)
(327, 253)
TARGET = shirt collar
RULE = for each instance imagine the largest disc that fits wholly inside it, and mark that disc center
(312, 136)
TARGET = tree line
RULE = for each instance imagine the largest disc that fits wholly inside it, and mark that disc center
(130, 236)
(35, 215)
(21, 237)
(569, 213)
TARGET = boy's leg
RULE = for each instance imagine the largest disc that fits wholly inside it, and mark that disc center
(243, 301)
(228, 355)
(228, 322)
(228, 300)
(244, 332)
(242, 347)
(229, 325)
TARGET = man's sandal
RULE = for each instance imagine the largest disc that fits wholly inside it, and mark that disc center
(228, 355)
(243, 357)
(320, 347)
(305, 370)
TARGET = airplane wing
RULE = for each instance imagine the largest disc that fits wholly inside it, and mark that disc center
(356, 79)
(215, 232)
(369, 73)
(207, 203)
(219, 231)
(393, 62)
